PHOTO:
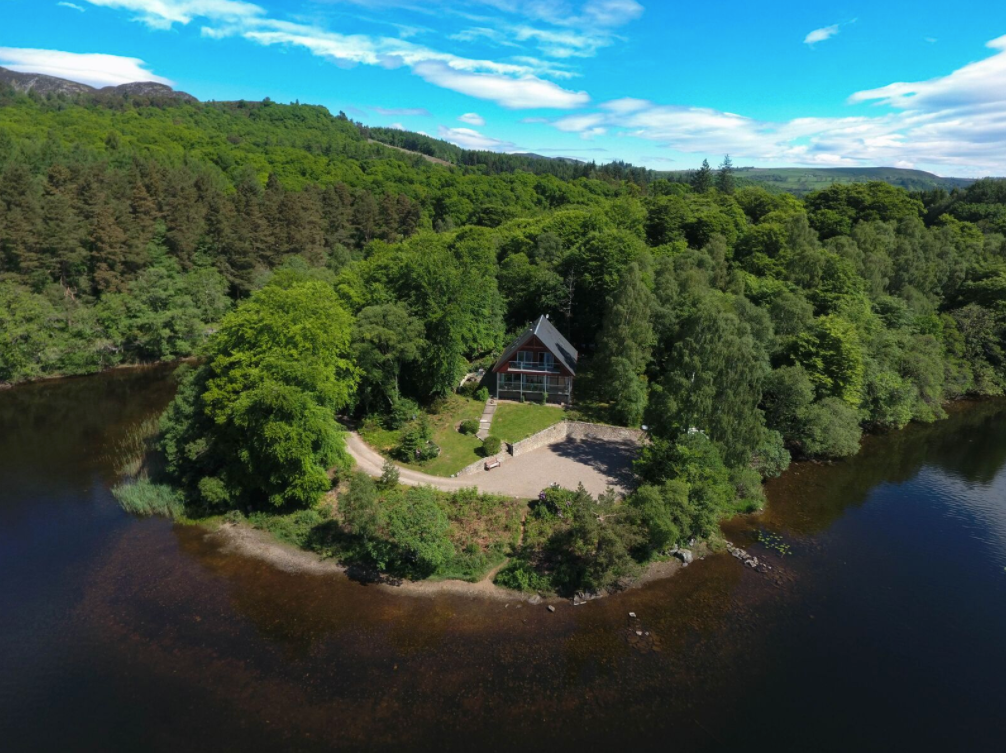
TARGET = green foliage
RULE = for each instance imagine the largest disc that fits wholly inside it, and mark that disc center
(491, 445)
(389, 476)
(416, 444)
(470, 426)
(713, 383)
(521, 576)
(832, 355)
(144, 498)
(624, 347)
(256, 423)
(359, 504)
(372, 279)
(386, 339)
(295, 528)
(830, 429)
(418, 527)
(482, 394)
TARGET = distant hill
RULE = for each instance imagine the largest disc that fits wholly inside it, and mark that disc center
(42, 84)
(532, 155)
(796, 180)
(803, 180)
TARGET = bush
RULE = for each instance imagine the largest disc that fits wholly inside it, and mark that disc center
(419, 530)
(830, 429)
(468, 389)
(521, 576)
(403, 411)
(414, 445)
(491, 445)
(544, 398)
(141, 497)
(292, 528)
(389, 476)
(482, 394)
(470, 426)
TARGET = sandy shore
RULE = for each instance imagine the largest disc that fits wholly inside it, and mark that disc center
(249, 542)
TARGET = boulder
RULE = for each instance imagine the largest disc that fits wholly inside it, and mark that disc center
(685, 555)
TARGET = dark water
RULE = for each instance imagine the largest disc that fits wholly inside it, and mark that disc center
(885, 629)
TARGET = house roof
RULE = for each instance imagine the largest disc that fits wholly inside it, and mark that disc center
(549, 336)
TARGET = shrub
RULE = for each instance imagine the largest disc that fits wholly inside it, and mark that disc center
(141, 497)
(521, 576)
(830, 429)
(491, 445)
(482, 394)
(291, 528)
(544, 398)
(471, 426)
(389, 476)
(403, 411)
(419, 529)
(414, 445)
(468, 389)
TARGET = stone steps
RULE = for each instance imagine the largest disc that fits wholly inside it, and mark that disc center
(486, 421)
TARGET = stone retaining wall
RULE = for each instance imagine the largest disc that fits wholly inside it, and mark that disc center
(575, 430)
(479, 467)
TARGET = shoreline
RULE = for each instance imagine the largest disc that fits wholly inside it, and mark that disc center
(246, 541)
(107, 370)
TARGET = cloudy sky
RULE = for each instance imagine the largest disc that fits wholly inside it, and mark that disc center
(663, 84)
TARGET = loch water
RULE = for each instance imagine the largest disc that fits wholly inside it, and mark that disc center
(882, 628)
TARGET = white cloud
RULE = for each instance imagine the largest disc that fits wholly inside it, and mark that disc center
(579, 123)
(514, 93)
(406, 111)
(625, 105)
(511, 84)
(472, 118)
(88, 68)
(163, 14)
(975, 84)
(820, 35)
(72, 6)
(468, 138)
(955, 124)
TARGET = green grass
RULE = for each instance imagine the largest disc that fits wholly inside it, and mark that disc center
(141, 497)
(516, 421)
(457, 450)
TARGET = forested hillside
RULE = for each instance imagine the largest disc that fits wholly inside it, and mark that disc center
(741, 326)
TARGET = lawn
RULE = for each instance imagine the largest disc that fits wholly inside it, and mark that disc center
(516, 421)
(456, 450)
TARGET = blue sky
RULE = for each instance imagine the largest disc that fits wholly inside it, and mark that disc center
(663, 84)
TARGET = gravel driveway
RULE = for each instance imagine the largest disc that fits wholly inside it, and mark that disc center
(595, 463)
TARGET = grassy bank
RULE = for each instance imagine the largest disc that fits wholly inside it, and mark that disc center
(412, 532)
(516, 421)
(456, 450)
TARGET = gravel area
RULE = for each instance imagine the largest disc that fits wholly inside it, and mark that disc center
(597, 464)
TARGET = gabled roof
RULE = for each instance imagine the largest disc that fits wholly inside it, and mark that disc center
(550, 337)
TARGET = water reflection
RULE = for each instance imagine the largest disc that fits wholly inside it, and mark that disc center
(146, 635)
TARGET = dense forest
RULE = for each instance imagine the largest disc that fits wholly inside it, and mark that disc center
(318, 272)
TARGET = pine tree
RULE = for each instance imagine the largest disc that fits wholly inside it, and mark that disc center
(625, 344)
(725, 182)
(702, 179)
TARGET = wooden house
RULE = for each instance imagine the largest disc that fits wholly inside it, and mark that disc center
(540, 362)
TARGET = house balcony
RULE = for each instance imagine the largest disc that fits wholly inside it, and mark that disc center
(534, 367)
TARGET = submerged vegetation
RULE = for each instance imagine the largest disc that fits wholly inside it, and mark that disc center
(316, 272)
